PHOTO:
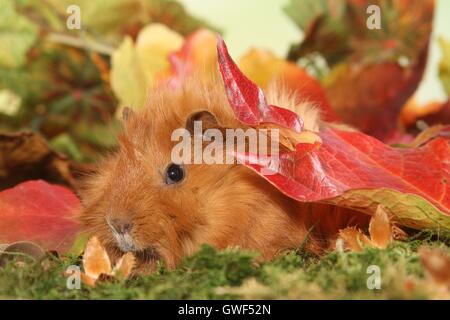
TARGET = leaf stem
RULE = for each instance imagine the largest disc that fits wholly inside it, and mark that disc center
(80, 43)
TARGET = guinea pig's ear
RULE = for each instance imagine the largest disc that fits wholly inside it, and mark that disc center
(207, 119)
(127, 113)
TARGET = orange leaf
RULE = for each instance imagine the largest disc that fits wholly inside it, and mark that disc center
(412, 111)
(380, 228)
(87, 280)
(97, 264)
(95, 259)
(124, 266)
(354, 239)
(263, 67)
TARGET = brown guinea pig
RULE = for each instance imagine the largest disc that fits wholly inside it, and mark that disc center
(139, 201)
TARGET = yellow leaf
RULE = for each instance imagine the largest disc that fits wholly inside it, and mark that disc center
(127, 78)
(135, 66)
(153, 45)
(262, 66)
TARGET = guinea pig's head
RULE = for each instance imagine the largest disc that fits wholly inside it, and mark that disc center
(140, 200)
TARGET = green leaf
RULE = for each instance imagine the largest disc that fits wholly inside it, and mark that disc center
(17, 35)
(444, 66)
(111, 19)
(64, 143)
(337, 30)
(409, 209)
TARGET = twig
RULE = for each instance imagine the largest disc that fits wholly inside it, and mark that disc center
(80, 43)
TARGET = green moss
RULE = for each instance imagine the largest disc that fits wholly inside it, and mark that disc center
(233, 273)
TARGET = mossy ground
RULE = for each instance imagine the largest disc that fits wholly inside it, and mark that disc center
(237, 274)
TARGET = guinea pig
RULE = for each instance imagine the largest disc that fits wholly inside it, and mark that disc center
(138, 200)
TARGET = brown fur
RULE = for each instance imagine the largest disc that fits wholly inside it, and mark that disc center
(222, 205)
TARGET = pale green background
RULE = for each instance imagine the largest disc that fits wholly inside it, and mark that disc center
(262, 23)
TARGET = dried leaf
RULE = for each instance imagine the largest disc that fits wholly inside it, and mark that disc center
(95, 259)
(398, 233)
(97, 264)
(87, 280)
(123, 267)
(437, 264)
(354, 239)
(29, 249)
(373, 72)
(26, 156)
(371, 97)
(380, 231)
(380, 228)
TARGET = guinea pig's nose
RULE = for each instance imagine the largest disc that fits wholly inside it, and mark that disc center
(121, 225)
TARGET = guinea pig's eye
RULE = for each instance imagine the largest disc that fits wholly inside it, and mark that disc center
(174, 174)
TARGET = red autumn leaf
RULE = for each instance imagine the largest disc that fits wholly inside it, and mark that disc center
(371, 97)
(40, 212)
(349, 168)
(247, 100)
(357, 171)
